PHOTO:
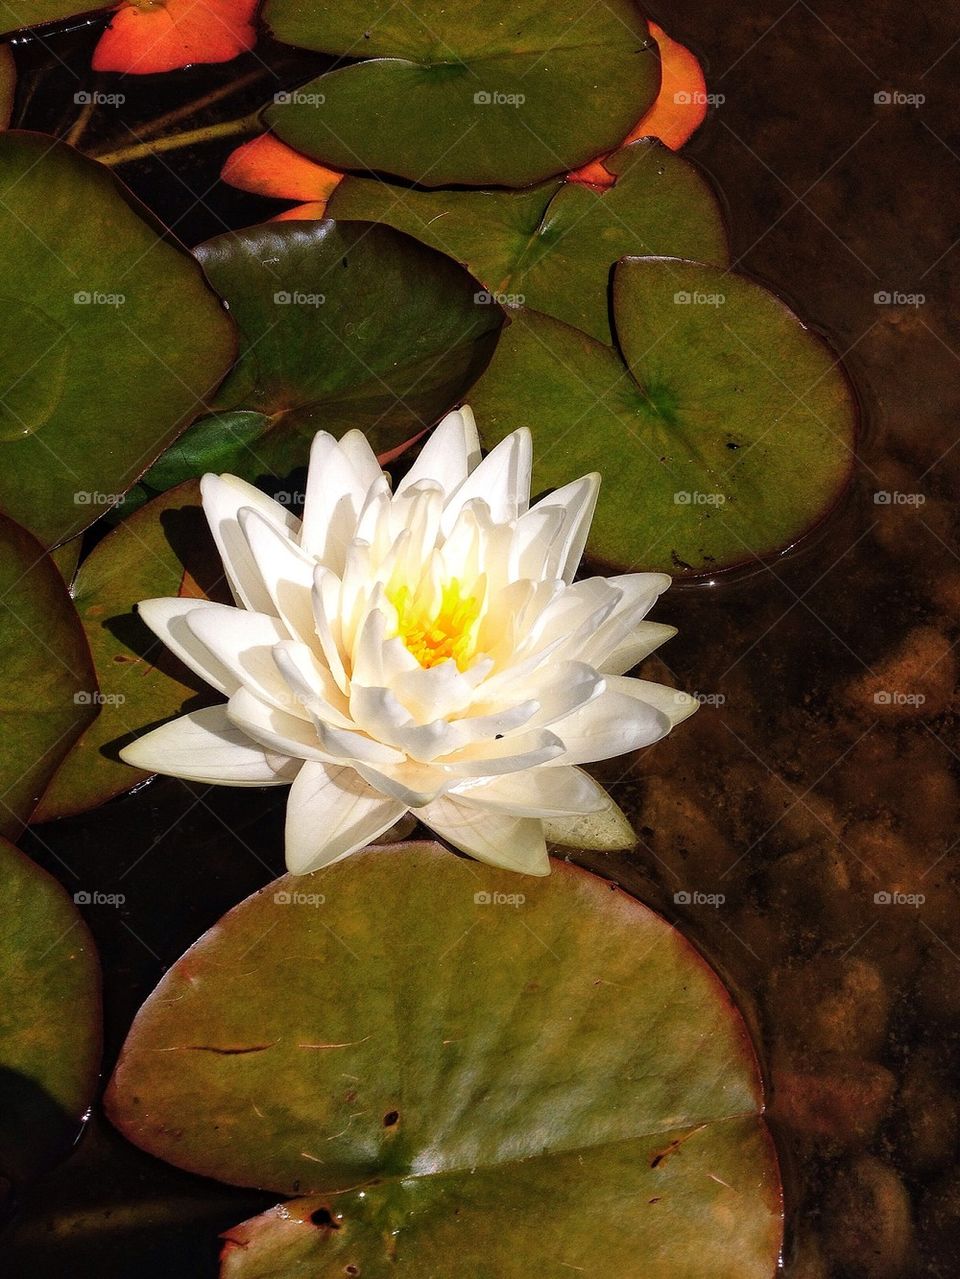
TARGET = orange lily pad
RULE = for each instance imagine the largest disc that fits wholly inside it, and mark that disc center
(146, 36)
(267, 166)
(678, 111)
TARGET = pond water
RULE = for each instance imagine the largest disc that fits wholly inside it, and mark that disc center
(802, 828)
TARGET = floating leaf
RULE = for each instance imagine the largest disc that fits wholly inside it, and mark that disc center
(726, 428)
(8, 84)
(47, 684)
(413, 1038)
(267, 166)
(552, 246)
(49, 1017)
(164, 35)
(507, 93)
(678, 112)
(342, 325)
(15, 14)
(164, 549)
(112, 338)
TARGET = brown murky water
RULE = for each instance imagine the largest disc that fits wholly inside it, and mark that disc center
(816, 790)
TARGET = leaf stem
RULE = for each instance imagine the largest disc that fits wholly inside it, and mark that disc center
(175, 141)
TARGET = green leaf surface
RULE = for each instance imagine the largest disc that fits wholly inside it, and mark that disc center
(413, 1037)
(507, 93)
(15, 14)
(164, 549)
(47, 681)
(552, 247)
(111, 338)
(343, 325)
(49, 1017)
(723, 427)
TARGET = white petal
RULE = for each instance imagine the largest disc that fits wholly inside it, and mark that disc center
(326, 605)
(243, 642)
(513, 843)
(331, 812)
(223, 496)
(356, 449)
(286, 571)
(332, 503)
(273, 728)
(640, 643)
(312, 683)
(502, 480)
(606, 831)
(167, 619)
(540, 792)
(435, 692)
(449, 455)
(205, 747)
(639, 593)
(677, 706)
(532, 554)
(578, 501)
(612, 724)
(348, 747)
(506, 755)
(412, 784)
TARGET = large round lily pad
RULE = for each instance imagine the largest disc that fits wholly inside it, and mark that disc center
(164, 549)
(342, 325)
(112, 339)
(552, 247)
(416, 1040)
(506, 93)
(15, 14)
(48, 689)
(724, 427)
(49, 1017)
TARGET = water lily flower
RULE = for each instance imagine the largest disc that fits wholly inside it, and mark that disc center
(424, 650)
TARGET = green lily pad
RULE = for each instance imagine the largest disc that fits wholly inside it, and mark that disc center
(725, 427)
(164, 549)
(15, 14)
(47, 682)
(342, 325)
(111, 338)
(412, 1037)
(507, 93)
(49, 1017)
(8, 84)
(552, 247)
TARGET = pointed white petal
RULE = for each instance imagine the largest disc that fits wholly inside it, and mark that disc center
(512, 843)
(640, 643)
(205, 747)
(502, 480)
(612, 724)
(311, 683)
(273, 728)
(676, 705)
(332, 503)
(412, 784)
(540, 792)
(492, 757)
(606, 831)
(286, 571)
(449, 455)
(532, 553)
(578, 501)
(326, 615)
(348, 747)
(167, 619)
(356, 449)
(223, 496)
(243, 642)
(331, 812)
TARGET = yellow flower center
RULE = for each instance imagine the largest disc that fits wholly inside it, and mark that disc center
(435, 635)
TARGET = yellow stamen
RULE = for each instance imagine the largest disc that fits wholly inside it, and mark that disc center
(435, 637)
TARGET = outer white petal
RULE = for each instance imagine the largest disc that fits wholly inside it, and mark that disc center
(167, 619)
(331, 812)
(640, 643)
(533, 552)
(243, 642)
(449, 455)
(639, 593)
(493, 757)
(286, 570)
(332, 503)
(205, 747)
(541, 792)
(312, 683)
(273, 728)
(578, 502)
(223, 496)
(414, 785)
(356, 449)
(345, 746)
(606, 831)
(512, 843)
(326, 602)
(502, 480)
(612, 724)
(677, 706)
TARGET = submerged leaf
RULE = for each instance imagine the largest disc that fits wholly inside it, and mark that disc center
(146, 36)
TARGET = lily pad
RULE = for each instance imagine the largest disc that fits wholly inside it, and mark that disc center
(342, 325)
(112, 338)
(49, 1017)
(47, 681)
(164, 549)
(15, 14)
(726, 427)
(507, 93)
(553, 246)
(418, 1040)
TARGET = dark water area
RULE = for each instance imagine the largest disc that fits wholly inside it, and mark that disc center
(816, 791)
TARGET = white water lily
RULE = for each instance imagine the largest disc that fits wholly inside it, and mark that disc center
(424, 650)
